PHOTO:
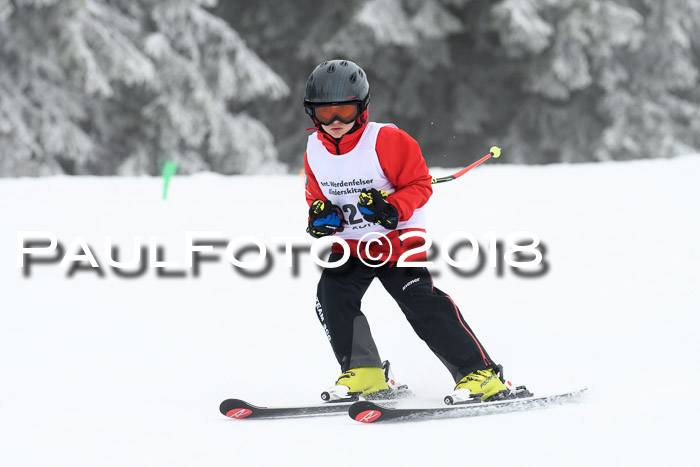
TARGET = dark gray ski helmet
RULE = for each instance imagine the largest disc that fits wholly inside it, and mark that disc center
(335, 82)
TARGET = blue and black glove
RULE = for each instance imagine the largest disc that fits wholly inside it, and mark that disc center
(375, 209)
(325, 218)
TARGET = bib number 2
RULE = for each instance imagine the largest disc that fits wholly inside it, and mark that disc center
(354, 217)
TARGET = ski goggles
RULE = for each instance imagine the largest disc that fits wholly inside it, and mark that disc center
(346, 113)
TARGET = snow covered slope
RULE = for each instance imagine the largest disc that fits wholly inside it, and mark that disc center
(114, 371)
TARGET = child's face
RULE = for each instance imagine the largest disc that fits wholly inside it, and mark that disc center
(337, 128)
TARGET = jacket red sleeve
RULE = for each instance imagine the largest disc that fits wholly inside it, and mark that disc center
(313, 191)
(402, 161)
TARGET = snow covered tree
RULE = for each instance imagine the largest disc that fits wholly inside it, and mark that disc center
(569, 49)
(116, 86)
(549, 80)
(611, 81)
(552, 80)
(651, 101)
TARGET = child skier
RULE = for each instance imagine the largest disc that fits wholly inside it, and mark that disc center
(366, 177)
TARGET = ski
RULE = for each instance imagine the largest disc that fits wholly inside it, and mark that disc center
(369, 412)
(239, 409)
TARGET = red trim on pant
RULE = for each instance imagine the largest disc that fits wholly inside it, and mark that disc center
(459, 317)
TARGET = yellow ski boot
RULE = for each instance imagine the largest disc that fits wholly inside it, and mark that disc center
(356, 382)
(367, 382)
(482, 384)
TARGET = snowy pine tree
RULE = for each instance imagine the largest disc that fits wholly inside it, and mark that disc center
(611, 79)
(567, 59)
(99, 86)
(549, 80)
(653, 109)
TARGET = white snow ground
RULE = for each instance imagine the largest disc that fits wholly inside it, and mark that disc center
(116, 372)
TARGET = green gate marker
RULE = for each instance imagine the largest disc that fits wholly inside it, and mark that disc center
(169, 169)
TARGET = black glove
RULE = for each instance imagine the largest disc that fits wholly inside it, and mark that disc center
(375, 209)
(325, 218)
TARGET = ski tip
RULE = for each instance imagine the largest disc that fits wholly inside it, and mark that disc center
(238, 413)
(235, 408)
(365, 412)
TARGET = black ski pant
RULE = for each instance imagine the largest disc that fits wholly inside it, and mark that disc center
(432, 314)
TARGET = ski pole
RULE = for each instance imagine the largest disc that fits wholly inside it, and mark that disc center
(495, 153)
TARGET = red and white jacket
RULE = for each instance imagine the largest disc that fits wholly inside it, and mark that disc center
(402, 164)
